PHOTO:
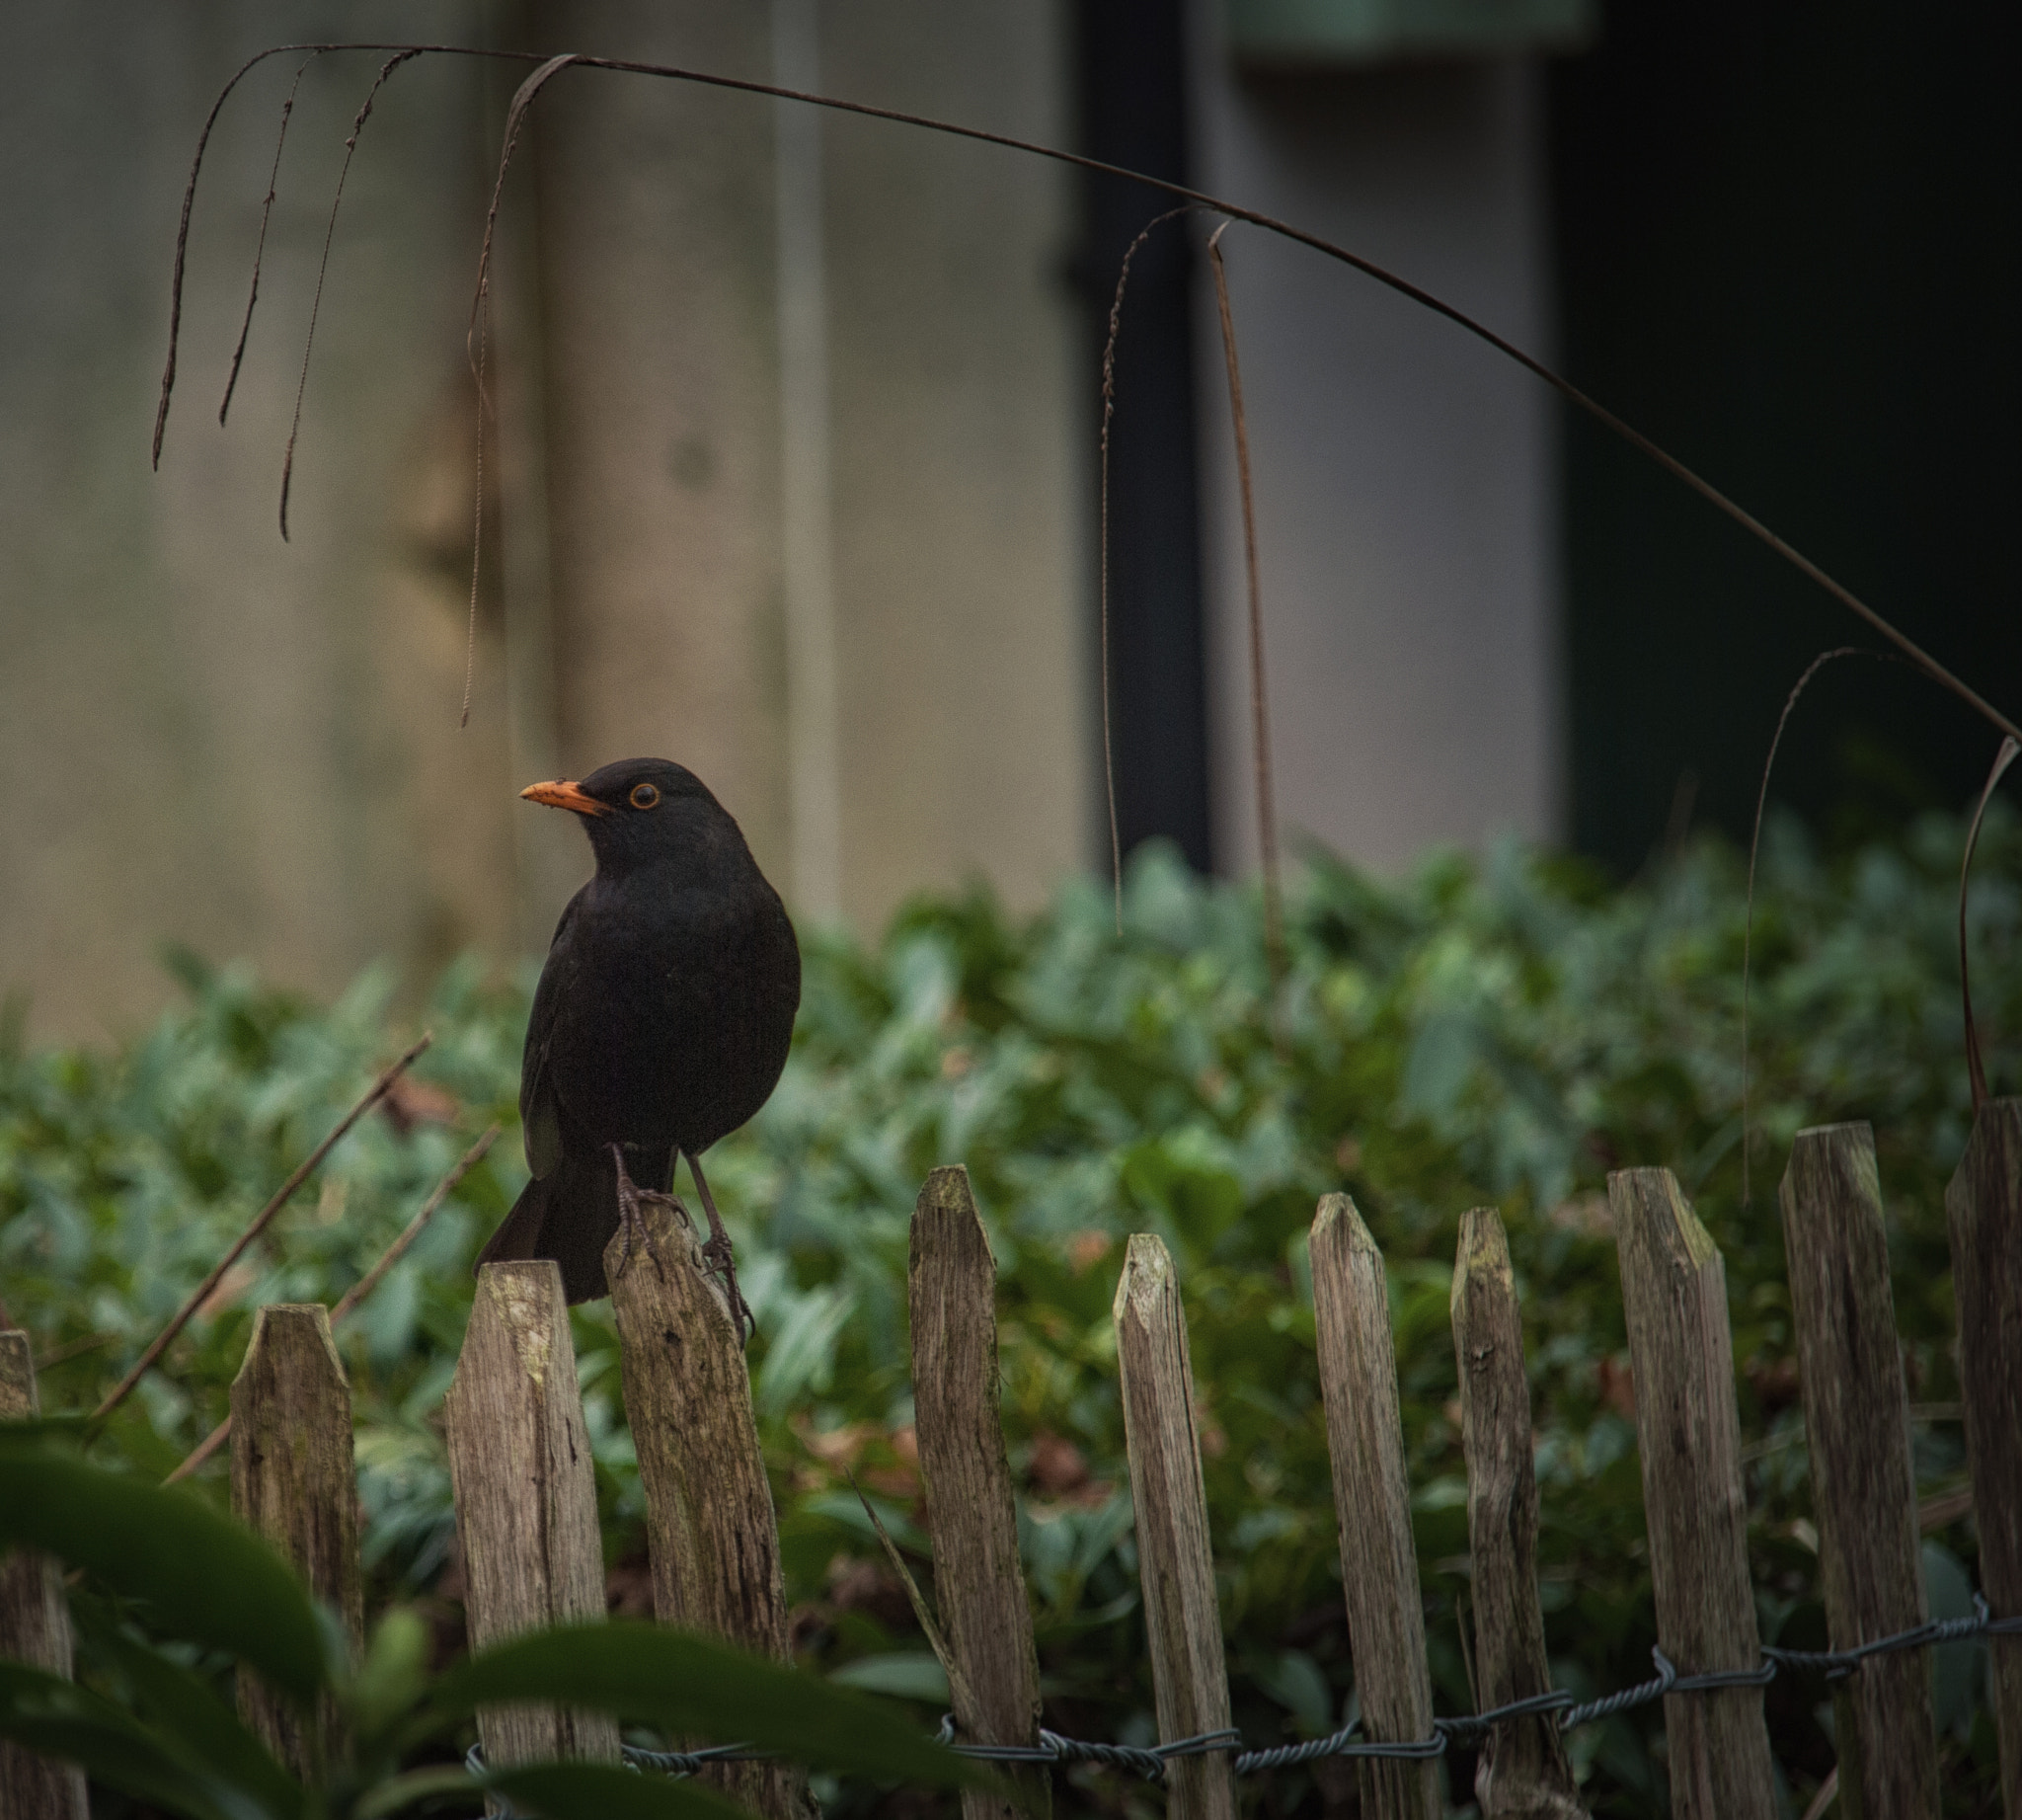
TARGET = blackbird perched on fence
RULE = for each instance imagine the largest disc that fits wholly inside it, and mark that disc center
(660, 1023)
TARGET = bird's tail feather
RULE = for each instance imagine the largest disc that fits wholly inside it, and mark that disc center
(569, 1216)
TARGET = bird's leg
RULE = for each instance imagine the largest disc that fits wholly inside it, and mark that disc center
(715, 1254)
(631, 1198)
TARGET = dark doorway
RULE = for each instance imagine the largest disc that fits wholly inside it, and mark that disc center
(1133, 113)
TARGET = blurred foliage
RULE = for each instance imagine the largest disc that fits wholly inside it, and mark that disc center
(370, 1722)
(1501, 1029)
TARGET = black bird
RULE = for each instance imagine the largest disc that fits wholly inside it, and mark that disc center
(661, 1020)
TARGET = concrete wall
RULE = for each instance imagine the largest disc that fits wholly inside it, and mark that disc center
(1404, 473)
(211, 736)
(954, 505)
(251, 747)
(654, 249)
(707, 508)
(962, 455)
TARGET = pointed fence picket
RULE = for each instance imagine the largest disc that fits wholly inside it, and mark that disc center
(1182, 1622)
(527, 1509)
(711, 1534)
(1522, 1767)
(1387, 1629)
(525, 1496)
(295, 1482)
(1864, 1484)
(979, 1585)
(1694, 1506)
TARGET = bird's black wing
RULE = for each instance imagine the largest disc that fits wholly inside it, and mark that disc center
(540, 1113)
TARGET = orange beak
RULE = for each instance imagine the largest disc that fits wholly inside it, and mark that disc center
(565, 795)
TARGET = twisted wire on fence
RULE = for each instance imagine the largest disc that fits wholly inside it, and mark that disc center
(1149, 1760)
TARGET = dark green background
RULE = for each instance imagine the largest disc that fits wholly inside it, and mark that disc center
(1788, 251)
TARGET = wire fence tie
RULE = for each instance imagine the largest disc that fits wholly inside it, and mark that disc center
(1837, 1664)
(1149, 1762)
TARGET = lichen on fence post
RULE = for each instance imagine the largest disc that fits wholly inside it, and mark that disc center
(525, 1496)
(978, 1586)
(1864, 1484)
(1984, 1207)
(1689, 1436)
(35, 1626)
(1182, 1622)
(294, 1481)
(1373, 1503)
(1523, 1773)
(711, 1529)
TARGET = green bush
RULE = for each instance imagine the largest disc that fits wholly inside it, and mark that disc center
(1504, 1030)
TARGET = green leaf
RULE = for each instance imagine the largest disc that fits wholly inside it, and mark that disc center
(1293, 1678)
(601, 1792)
(699, 1688)
(910, 1674)
(398, 1791)
(208, 1734)
(203, 1576)
(390, 1680)
(62, 1719)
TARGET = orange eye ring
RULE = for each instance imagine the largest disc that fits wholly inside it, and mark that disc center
(644, 796)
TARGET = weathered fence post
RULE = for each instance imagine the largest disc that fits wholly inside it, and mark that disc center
(710, 1525)
(1985, 1206)
(294, 1481)
(1688, 1435)
(952, 1284)
(35, 1626)
(1373, 1503)
(1523, 1773)
(1863, 1486)
(525, 1496)
(1182, 1621)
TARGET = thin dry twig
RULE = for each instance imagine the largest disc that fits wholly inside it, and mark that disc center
(1812, 668)
(362, 1288)
(1828, 1792)
(1109, 410)
(367, 1284)
(161, 408)
(474, 343)
(1976, 1071)
(350, 146)
(1260, 720)
(280, 139)
(281, 1196)
(958, 1692)
(1200, 198)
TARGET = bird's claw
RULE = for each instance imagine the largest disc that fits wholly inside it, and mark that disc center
(717, 1258)
(632, 1220)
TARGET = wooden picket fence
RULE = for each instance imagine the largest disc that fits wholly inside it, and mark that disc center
(526, 1509)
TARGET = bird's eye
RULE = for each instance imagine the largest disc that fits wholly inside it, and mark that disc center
(644, 796)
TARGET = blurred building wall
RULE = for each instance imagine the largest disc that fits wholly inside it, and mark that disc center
(1404, 474)
(954, 462)
(786, 473)
(209, 735)
(251, 747)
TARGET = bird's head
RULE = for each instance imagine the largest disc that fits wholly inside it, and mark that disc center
(639, 810)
